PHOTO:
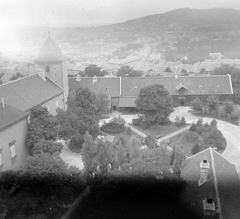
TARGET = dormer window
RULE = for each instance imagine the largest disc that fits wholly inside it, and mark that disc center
(106, 88)
(200, 86)
(218, 86)
(135, 87)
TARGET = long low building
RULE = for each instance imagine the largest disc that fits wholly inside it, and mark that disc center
(123, 91)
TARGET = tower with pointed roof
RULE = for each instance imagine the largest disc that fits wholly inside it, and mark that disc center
(51, 61)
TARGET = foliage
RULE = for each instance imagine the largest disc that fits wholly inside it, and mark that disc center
(32, 194)
(93, 70)
(42, 126)
(212, 102)
(178, 159)
(180, 122)
(151, 141)
(15, 76)
(86, 111)
(196, 148)
(68, 123)
(196, 105)
(129, 131)
(115, 125)
(168, 69)
(136, 121)
(76, 143)
(228, 107)
(193, 127)
(155, 104)
(47, 146)
(124, 70)
(102, 103)
(191, 137)
(135, 145)
(183, 121)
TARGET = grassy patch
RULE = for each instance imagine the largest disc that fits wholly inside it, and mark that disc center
(160, 129)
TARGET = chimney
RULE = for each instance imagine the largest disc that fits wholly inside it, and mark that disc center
(209, 209)
(204, 170)
(3, 105)
(42, 75)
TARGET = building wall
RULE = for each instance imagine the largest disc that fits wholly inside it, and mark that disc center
(53, 104)
(15, 133)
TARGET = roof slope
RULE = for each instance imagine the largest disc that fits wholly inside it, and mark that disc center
(195, 85)
(9, 116)
(49, 53)
(226, 178)
(29, 91)
(108, 85)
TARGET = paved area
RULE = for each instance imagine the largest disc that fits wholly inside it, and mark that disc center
(72, 159)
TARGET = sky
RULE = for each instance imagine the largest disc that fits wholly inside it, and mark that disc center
(93, 12)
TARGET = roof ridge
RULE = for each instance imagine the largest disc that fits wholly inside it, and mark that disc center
(18, 79)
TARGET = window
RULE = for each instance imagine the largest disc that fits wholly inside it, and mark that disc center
(1, 161)
(12, 149)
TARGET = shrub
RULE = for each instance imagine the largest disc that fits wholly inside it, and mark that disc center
(212, 102)
(235, 115)
(201, 130)
(221, 112)
(115, 125)
(150, 141)
(205, 110)
(199, 122)
(177, 121)
(47, 146)
(191, 137)
(196, 105)
(213, 123)
(183, 121)
(229, 116)
(136, 121)
(75, 143)
(144, 125)
(228, 107)
(193, 127)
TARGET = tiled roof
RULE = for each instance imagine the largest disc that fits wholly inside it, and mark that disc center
(29, 91)
(9, 116)
(195, 85)
(223, 184)
(108, 85)
(49, 52)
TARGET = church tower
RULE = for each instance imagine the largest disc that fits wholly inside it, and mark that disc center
(51, 61)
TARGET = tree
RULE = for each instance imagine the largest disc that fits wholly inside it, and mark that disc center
(15, 76)
(135, 73)
(135, 145)
(155, 104)
(196, 105)
(151, 141)
(124, 70)
(93, 70)
(212, 102)
(168, 69)
(67, 123)
(43, 126)
(102, 103)
(86, 111)
(228, 107)
(46, 146)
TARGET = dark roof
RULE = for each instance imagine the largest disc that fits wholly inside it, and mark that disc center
(108, 85)
(127, 102)
(49, 53)
(9, 116)
(29, 91)
(195, 85)
(227, 181)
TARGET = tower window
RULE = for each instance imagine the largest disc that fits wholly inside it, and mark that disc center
(47, 69)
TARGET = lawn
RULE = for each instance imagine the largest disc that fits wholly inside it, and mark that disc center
(163, 130)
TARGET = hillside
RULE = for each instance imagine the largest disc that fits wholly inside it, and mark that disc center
(187, 19)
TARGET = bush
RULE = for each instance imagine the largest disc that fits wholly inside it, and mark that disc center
(75, 144)
(199, 122)
(183, 121)
(235, 115)
(115, 126)
(144, 125)
(205, 110)
(213, 123)
(228, 107)
(196, 105)
(47, 146)
(177, 121)
(136, 121)
(193, 127)
(191, 137)
(221, 112)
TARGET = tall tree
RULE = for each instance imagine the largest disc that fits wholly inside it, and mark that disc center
(124, 71)
(154, 103)
(94, 70)
(102, 103)
(212, 102)
(43, 126)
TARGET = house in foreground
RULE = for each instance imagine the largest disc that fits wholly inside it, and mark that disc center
(13, 129)
(213, 186)
(123, 91)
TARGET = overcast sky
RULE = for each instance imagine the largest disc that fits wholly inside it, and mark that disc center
(54, 12)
